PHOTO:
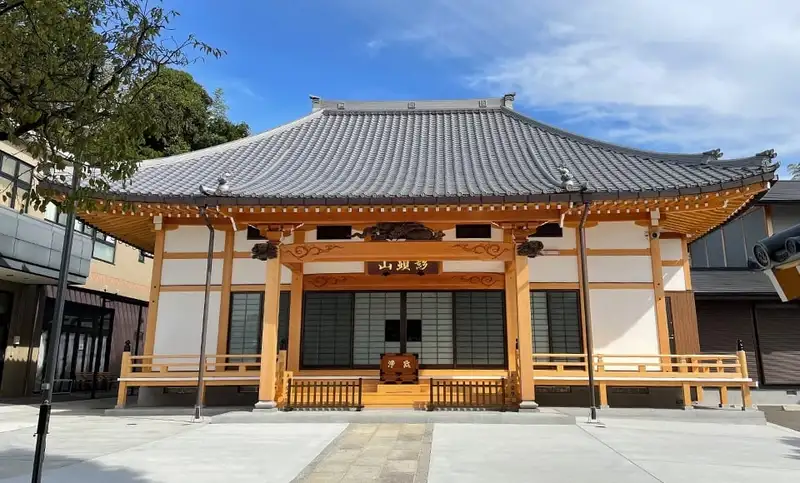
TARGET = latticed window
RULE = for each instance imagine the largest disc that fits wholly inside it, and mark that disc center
(556, 322)
(244, 331)
(247, 319)
(15, 182)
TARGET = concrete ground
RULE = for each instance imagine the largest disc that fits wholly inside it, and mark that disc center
(85, 446)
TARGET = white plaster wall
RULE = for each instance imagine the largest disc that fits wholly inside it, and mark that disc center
(192, 239)
(311, 236)
(620, 269)
(674, 279)
(497, 235)
(286, 275)
(190, 271)
(566, 242)
(553, 269)
(247, 271)
(624, 321)
(179, 324)
(671, 249)
(617, 234)
(242, 244)
(333, 267)
(474, 266)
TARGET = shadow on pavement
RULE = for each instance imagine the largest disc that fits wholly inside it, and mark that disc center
(794, 443)
(74, 407)
(16, 464)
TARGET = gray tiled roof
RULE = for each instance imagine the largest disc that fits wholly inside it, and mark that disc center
(376, 152)
(782, 191)
(731, 282)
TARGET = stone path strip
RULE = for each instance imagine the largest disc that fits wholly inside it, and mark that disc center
(384, 453)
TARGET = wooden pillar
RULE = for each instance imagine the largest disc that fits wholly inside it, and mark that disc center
(511, 312)
(269, 335)
(747, 401)
(155, 289)
(225, 298)
(658, 287)
(295, 320)
(122, 390)
(602, 388)
(296, 312)
(522, 290)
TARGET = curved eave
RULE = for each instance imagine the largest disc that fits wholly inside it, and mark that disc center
(234, 200)
(696, 159)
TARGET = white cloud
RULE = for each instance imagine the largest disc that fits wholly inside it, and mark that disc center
(682, 74)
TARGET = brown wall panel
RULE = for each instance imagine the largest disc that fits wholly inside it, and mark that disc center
(684, 320)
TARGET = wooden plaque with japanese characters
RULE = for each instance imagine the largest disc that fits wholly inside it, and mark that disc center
(399, 369)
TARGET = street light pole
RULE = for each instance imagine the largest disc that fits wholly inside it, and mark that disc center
(201, 370)
(45, 408)
(587, 313)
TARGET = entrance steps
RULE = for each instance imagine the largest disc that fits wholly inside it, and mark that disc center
(396, 396)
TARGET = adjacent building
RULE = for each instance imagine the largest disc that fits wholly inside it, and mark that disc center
(106, 302)
(735, 301)
(477, 240)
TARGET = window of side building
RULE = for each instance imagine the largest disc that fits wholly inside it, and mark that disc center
(16, 178)
(104, 246)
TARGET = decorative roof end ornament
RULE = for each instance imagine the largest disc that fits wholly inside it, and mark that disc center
(316, 103)
(714, 153)
(223, 187)
(567, 180)
(769, 153)
(508, 100)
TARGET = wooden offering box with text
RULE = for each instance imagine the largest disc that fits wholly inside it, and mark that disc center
(399, 369)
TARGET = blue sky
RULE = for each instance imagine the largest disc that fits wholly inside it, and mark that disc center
(674, 76)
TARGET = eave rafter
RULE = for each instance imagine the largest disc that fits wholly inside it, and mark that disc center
(691, 215)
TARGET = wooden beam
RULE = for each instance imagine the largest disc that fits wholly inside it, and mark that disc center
(269, 335)
(512, 332)
(155, 290)
(405, 250)
(687, 270)
(295, 321)
(442, 281)
(658, 287)
(190, 288)
(192, 255)
(296, 311)
(522, 291)
(225, 296)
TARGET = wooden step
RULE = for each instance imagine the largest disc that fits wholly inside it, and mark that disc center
(402, 389)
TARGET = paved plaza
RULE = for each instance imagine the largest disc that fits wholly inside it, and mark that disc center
(86, 446)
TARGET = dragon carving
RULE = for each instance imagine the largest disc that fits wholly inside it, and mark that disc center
(399, 231)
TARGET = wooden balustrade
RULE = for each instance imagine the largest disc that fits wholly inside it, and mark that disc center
(324, 394)
(643, 365)
(677, 370)
(181, 370)
(467, 394)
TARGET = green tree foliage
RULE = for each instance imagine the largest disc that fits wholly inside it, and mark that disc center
(794, 170)
(72, 75)
(184, 117)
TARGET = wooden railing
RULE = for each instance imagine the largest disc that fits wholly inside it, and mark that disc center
(713, 366)
(324, 394)
(183, 364)
(682, 370)
(467, 394)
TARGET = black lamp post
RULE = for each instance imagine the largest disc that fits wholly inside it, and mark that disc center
(222, 189)
(45, 408)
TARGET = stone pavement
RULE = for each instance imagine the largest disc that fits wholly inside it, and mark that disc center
(389, 453)
(645, 447)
